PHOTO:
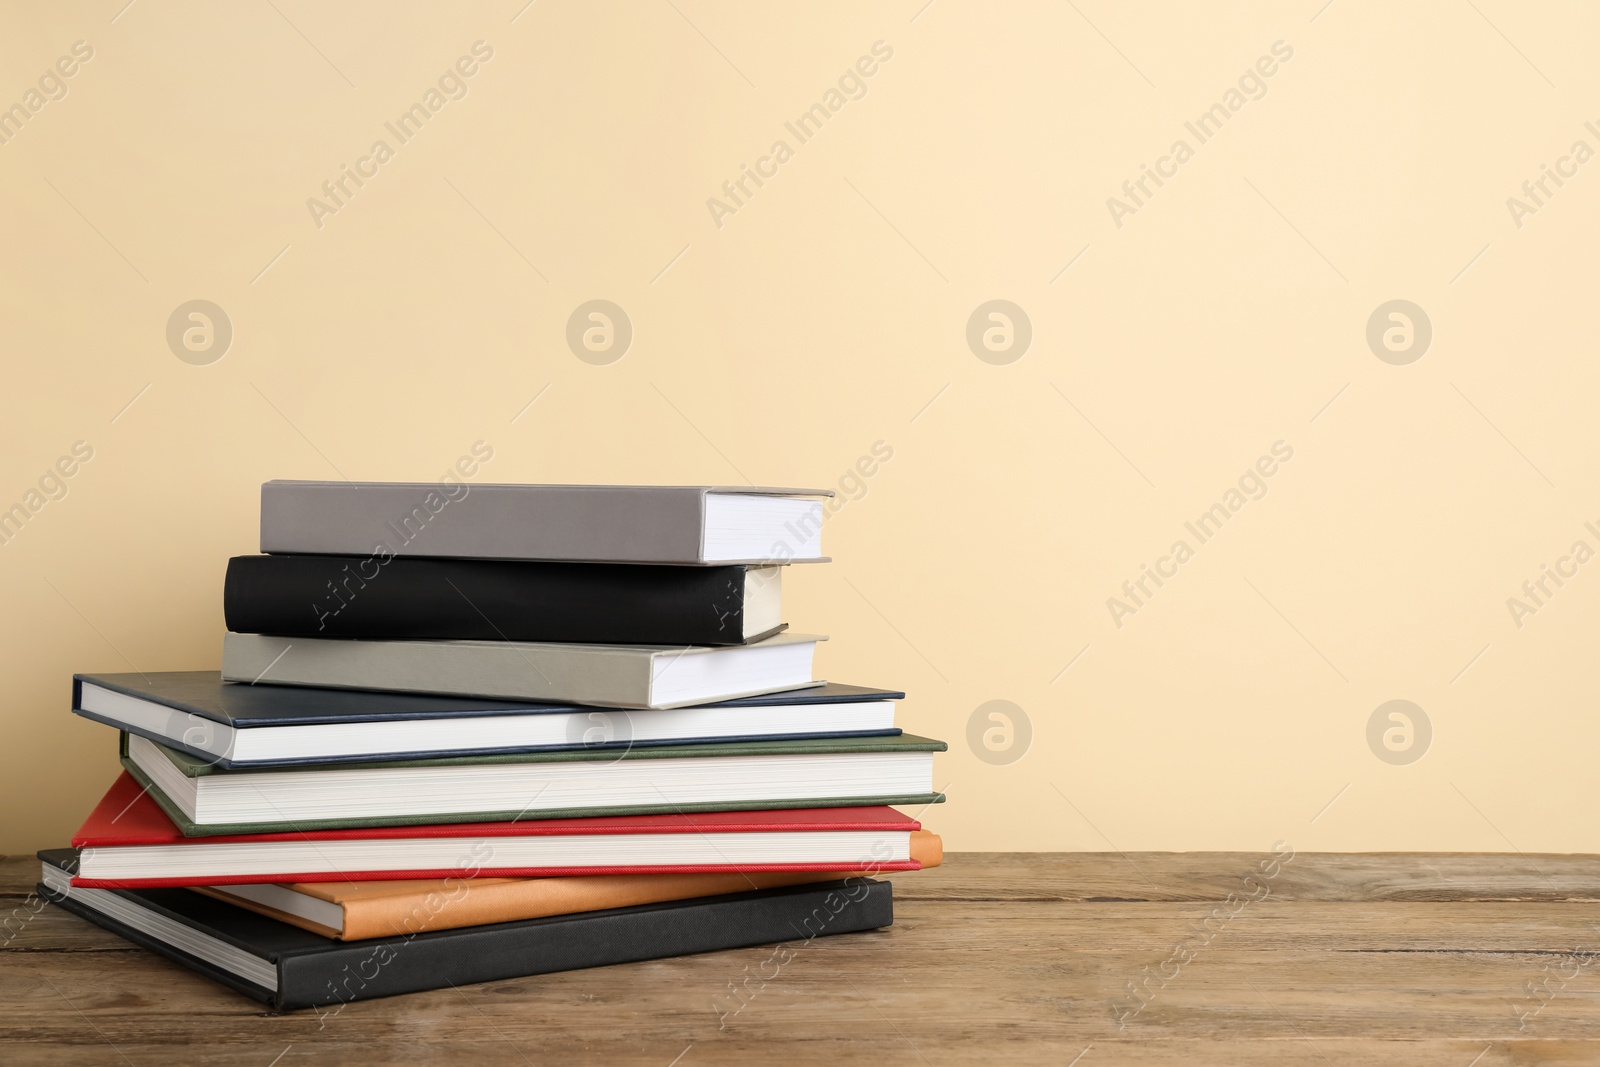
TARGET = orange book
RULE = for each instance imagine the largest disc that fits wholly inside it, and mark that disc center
(353, 911)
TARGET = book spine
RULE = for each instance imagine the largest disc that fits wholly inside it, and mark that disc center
(485, 901)
(326, 979)
(598, 676)
(484, 600)
(618, 524)
(190, 828)
(441, 873)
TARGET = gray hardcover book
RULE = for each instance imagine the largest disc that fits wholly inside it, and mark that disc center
(610, 676)
(689, 524)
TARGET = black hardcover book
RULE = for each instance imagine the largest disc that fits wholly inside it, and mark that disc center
(287, 967)
(501, 600)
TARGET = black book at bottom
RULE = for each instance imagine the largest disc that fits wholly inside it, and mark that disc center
(287, 967)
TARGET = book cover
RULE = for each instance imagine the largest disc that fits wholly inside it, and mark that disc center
(362, 910)
(500, 600)
(578, 523)
(183, 710)
(129, 842)
(185, 766)
(901, 744)
(286, 967)
(616, 676)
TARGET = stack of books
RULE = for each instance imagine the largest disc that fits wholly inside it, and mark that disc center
(463, 735)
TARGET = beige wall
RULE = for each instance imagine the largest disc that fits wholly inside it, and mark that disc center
(1225, 312)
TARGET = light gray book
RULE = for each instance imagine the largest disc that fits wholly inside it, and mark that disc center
(609, 676)
(691, 524)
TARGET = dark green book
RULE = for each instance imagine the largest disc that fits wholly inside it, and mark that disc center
(205, 800)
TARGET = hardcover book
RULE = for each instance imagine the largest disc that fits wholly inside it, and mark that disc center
(613, 676)
(233, 724)
(352, 911)
(502, 600)
(286, 967)
(847, 772)
(127, 843)
(689, 524)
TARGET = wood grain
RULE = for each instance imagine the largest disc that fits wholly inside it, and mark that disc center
(1450, 960)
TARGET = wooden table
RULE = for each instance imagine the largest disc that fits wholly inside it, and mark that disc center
(1454, 960)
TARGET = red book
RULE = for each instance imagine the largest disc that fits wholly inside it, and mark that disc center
(129, 843)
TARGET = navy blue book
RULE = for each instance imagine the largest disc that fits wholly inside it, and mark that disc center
(233, 725)
(287, 967)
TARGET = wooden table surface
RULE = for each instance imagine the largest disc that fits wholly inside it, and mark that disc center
(1454, 960)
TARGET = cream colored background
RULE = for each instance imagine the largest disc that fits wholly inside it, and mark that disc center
(829, 313)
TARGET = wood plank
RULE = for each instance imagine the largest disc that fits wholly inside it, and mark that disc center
(1179, 876)
(1022, 959)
